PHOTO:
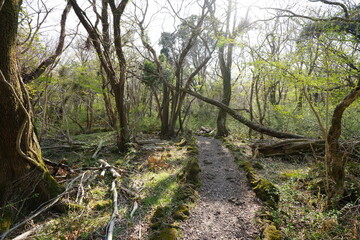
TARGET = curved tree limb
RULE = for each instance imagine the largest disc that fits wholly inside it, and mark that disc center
(291, 14)
(346, 11)
(59, 49)
(254, 126)
(230, 111)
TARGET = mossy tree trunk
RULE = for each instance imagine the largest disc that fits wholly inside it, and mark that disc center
(335, 158)
(24, 179)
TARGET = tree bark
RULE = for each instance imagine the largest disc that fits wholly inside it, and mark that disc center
(225, 62)
(225, 68)
(165, 111)
(119, 87)
(334, 156)
(286, 147)
(117, 83)
(106, 42)
(24, 178)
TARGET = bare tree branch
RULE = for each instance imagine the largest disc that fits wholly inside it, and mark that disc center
(1, 4)
(346, 11)
(291, 14)
(59, 49)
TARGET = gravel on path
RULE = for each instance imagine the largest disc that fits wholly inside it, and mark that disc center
(227, 205)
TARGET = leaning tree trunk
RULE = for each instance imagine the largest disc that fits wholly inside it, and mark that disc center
(24, 179)
(240, 118)
(105, 87)
(334, 155)
(119, 87)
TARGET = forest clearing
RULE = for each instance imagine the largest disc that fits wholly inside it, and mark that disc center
(186, 119)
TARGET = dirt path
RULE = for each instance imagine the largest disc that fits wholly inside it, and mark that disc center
(227, 205)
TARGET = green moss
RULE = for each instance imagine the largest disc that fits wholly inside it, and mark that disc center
(228, 143)
(156, 225)
(182, 143)
(5, 221)
(168, 233)
(293, 174)
(159, 215)
(246, 165)
(98, 192)
(182, 213)
(52, 186)
(250, 172)
(180, 216)
(185, 209)
(265, 215)
(192, 150)
(267, 192)
(165, 219)
(263, 188)
(75, 206)
(258, 166)
(190, 173)
(186, 193)
(271, 233)
(99, 205)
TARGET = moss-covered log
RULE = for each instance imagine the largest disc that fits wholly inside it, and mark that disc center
(270, 148)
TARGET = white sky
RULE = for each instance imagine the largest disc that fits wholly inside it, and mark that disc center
(162, 20)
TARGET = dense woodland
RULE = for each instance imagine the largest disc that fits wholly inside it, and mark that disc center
(133, 82)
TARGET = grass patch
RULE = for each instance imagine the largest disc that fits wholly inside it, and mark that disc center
(159, 188)
(152, 175)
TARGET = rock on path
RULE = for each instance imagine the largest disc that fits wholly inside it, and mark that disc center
(227, 205)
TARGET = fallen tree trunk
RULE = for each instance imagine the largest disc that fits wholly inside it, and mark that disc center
(270, 148)
(287, 147)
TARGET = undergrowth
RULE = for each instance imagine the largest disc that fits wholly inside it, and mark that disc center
(152, 175)
(302, 213)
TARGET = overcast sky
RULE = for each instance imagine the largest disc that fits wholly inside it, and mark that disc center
(160, 14)
(161, 22)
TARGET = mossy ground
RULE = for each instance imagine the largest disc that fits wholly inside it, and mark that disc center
(154, 176)
(301, 213)
(167, 216)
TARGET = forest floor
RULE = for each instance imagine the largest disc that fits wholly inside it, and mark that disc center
(149, 181)
(227, 205)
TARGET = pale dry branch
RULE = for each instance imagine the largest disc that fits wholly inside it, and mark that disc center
(43, 208)
(98, 148)
(111, 224)
(136, 206)
(27, 234)
(114, 173)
